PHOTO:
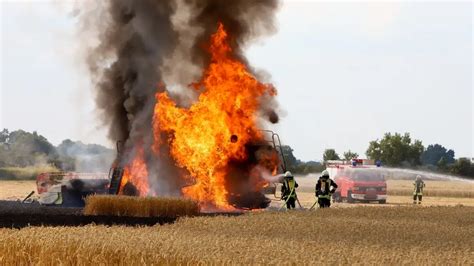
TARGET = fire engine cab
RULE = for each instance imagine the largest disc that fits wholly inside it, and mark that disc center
(358, 180)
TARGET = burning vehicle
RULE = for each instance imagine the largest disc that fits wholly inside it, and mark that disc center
(180, 95)
(172, 83)
(69, 189)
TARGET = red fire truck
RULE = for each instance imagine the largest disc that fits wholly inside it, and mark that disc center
(358, 180)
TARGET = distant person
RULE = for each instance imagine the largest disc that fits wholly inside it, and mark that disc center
(288, 190)
(419, 185)
(325, 187)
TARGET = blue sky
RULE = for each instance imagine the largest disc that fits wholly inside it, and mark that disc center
(346, 73)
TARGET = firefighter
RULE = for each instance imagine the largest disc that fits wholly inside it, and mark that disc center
(418, 187)
(325, 187)
(288, 190)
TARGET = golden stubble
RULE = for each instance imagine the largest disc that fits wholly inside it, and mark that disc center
(360, 235)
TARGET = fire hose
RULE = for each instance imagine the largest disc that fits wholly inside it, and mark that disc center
(297, 200)
(316, 202)
(287, 198)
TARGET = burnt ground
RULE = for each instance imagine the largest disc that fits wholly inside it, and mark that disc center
(14, 214)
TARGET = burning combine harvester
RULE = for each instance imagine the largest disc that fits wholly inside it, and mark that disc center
(177, 90)
(70, 189)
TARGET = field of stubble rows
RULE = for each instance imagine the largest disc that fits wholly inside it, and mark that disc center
(364, 235)
(397, 234)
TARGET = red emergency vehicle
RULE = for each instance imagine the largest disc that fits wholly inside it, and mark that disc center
(358, 180)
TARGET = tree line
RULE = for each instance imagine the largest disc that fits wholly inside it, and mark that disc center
(397, 150)
(24, 149)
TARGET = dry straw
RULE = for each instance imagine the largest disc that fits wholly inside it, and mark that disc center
(434, 193)
(139, 206)
(449, 189)
(409, 235)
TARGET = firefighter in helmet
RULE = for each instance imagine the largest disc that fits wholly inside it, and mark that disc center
(325, 187)
(288, 193)
(418, 185)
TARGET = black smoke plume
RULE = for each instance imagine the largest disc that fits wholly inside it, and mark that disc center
(143, 43)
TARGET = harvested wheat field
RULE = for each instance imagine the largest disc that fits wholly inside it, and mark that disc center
(16, 190)
(452, 189)
(364, 235)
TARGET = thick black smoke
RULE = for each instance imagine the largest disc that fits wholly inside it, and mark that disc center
(139, 34)
(244, 21)
(142, 43)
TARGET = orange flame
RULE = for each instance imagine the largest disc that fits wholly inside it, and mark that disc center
(136, 173)
(214, 130)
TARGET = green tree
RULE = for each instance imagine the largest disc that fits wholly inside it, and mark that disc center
(4, 134)
(463, 166)
(26, 149)
(4, 147)
(290, 159)
(434, 153)
(330, 154)
(416, 149)
(348, 155)
(396, 150)
(374, 151)
(442, 164)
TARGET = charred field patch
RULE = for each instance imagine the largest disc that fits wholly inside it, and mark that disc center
(15, 214)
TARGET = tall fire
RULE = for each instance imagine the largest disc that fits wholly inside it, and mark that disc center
(213, 134)
(215, 130)
(135, 174)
